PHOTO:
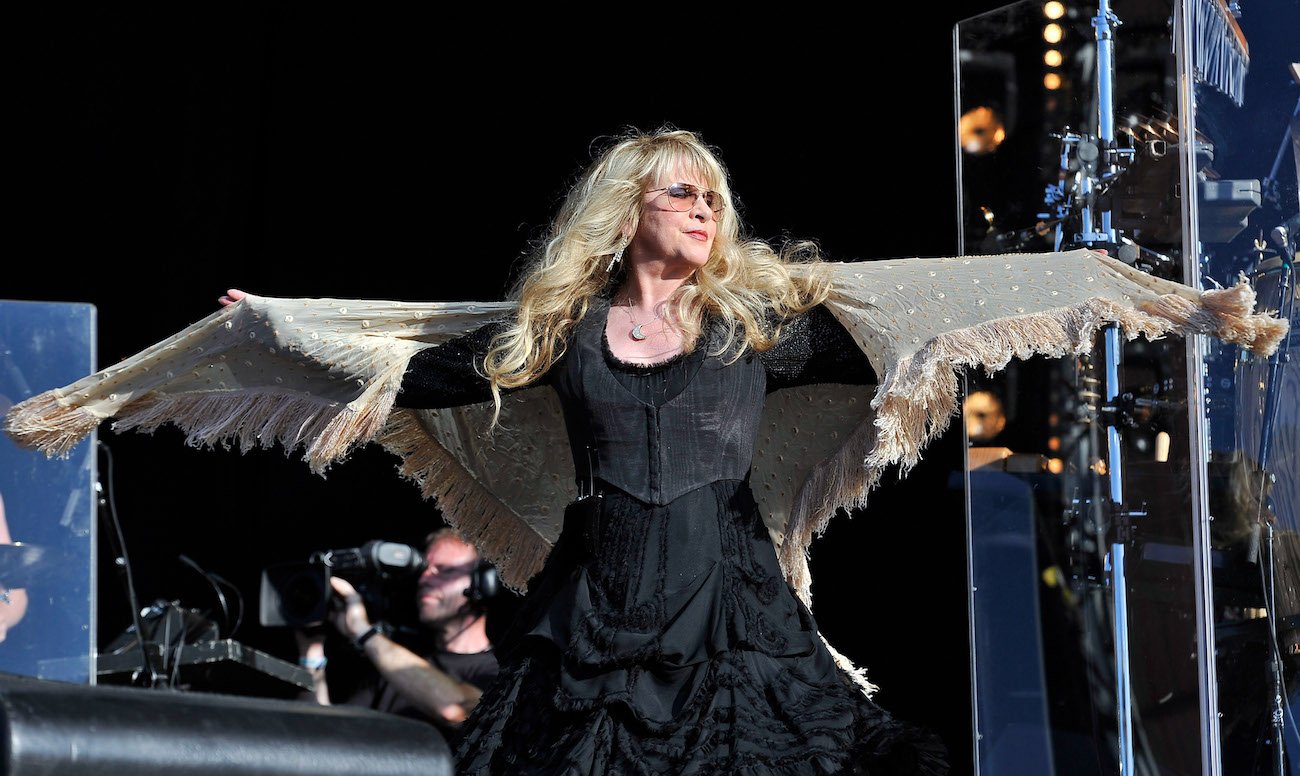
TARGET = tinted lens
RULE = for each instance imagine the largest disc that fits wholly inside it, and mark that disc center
(682, 196)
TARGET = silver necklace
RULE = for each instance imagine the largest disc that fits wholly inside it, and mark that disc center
(637, 333)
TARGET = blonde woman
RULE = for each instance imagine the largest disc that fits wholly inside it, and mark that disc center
(661, 636)
(663, 630)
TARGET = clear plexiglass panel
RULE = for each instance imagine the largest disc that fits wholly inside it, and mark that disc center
(1131, 511)
(48, 512)
(1245, 95)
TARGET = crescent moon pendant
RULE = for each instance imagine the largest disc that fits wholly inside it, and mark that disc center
(637, 334)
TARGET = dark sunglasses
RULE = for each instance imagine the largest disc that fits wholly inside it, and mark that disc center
(682, 197)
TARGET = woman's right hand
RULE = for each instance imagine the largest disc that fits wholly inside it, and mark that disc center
(231, 296)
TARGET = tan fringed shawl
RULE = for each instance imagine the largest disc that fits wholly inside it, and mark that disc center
(322, 374)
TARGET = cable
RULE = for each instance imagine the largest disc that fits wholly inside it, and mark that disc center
(239, 599)
(164, 644)
(124, 564)
(221, 597)
(176, 656)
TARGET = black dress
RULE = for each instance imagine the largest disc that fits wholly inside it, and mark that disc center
(661, 637)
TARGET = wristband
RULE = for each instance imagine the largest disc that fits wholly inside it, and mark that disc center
(374, 630)
(313, 662)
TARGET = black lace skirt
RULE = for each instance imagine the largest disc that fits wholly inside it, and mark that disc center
(665, 640)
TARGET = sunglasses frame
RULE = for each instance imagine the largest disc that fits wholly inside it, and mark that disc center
(697, 192)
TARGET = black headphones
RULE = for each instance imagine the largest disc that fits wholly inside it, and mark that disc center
(484, 584)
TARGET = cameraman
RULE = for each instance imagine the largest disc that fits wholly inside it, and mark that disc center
(440, 683)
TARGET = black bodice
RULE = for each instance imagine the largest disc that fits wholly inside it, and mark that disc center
(658, 451)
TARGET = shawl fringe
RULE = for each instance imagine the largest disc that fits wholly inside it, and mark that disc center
(51, 427)
(855, 674)
(916, 401)
(502, 536)
(326, 431)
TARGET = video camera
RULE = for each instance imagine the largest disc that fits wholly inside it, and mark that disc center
(298, 594)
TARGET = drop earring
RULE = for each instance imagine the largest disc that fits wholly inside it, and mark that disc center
(618, 255)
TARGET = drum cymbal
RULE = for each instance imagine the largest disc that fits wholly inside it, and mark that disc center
(21, 564)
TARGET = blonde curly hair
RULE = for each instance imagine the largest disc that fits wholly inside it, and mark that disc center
(743, 280)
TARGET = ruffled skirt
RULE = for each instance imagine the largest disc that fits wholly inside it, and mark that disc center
(665, 640)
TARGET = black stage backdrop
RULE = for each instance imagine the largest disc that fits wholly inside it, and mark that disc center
(164, 154)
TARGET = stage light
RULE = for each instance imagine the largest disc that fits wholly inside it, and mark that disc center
(984, 415)
(1052, 81)
(1053, 33)
(1055, 465)
(1053, 58)
(981, 130)
(1053, 9)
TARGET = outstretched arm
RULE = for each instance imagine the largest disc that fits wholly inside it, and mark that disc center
(446, 376)
(816, 348)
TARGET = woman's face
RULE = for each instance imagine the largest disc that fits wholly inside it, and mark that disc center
(680, 239)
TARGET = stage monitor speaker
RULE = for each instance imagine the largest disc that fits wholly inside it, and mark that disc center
(80, 730)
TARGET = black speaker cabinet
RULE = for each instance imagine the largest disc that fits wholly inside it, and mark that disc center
(59, 729)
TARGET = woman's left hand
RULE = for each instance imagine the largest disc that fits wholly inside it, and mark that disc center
(231, 296)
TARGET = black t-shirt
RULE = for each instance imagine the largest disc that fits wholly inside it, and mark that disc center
(476, 668)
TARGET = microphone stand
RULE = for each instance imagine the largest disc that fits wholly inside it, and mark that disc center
(1097, 163)
(1097, 156)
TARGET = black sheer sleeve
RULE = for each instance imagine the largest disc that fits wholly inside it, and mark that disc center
(449, 375)
(816, 348)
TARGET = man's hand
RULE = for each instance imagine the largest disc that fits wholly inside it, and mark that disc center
(351, 618)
